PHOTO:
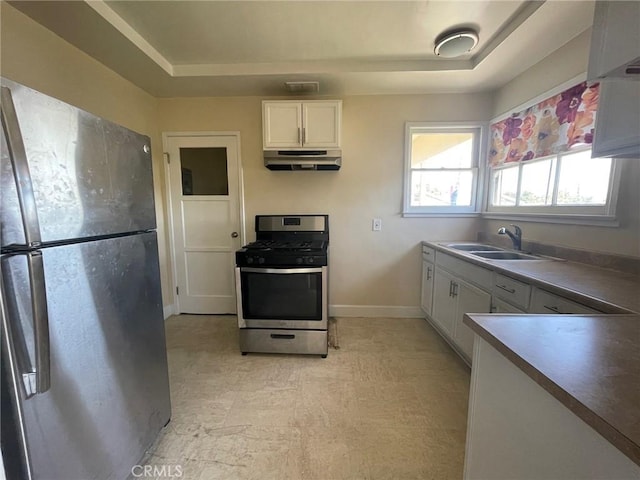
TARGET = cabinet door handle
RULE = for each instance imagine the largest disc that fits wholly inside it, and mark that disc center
(455, 289)
(304, 135)
(506, 289)
(428, 273)
(552, 308)
(450, 288)
(299, 136)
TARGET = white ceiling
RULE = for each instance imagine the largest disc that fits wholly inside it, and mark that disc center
(204, 48)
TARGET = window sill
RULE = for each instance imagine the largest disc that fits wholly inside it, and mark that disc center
(440, 214)
(592, 220)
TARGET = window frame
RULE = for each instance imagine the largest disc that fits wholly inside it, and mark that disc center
(574, 214)
(479, 129)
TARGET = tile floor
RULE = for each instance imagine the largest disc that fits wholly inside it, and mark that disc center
(391, 402)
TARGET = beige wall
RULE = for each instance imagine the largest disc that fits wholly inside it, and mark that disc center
(563, 65)
(367, 268)
(33, 56)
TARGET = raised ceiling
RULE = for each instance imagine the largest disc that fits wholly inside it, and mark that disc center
(203, 48)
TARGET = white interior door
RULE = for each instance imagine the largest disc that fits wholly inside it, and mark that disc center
(204, 184)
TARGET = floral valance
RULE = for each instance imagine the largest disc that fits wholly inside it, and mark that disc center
(549, 127)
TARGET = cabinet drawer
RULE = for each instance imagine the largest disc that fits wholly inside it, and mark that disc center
(513, 291)
(465, 270)
(500, 306)
(545, 302)
(428, 254)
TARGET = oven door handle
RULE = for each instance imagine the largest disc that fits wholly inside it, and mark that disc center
(281, 271)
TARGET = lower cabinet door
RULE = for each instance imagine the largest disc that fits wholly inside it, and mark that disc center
(470, 299)
(444, 303)
(426, 298)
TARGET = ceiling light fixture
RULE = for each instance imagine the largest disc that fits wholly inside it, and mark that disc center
(302, 87)
(456, 43)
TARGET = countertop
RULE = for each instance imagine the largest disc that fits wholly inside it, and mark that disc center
(590, 363)
(606, 290)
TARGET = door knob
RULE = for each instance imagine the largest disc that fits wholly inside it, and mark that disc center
(234, 235)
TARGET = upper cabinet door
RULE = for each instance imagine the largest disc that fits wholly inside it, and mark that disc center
(321, 124)
(292, 124)
(615, 39)
(281, 125)
(618, 119)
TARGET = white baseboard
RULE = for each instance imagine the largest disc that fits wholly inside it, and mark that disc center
(168, 310)
(368, 311)
(373, 311)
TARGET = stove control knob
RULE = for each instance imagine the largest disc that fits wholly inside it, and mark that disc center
(310, 260)
(249, 260)
(260, 260)
(298, 260)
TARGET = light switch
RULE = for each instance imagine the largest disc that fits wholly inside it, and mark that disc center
(376, 225)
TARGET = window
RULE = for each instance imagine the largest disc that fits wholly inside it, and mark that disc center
(441, 168)
(204, 171)
(540, 167)
(570, 183)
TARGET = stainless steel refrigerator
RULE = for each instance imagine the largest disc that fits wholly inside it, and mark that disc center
(85, 386)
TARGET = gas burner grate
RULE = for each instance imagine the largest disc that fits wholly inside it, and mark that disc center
(286, 245)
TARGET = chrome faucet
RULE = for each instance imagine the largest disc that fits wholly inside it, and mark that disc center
(516, 239)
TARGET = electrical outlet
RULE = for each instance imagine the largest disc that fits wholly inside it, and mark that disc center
(376, 224)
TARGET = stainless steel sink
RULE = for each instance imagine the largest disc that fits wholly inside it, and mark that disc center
(504, 255)
(474, 247)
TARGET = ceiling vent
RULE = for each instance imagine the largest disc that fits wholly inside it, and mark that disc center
(302, 87)
(456, 43)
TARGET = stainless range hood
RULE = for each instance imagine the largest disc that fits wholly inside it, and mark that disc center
(303, 159)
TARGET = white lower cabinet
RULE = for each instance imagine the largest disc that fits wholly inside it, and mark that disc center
(428, 275)
(444, 303)
(545, 302)
(452, 287)
(500, 306)
(512, 291)
(452, 298)
(470, 300)
(518, 430)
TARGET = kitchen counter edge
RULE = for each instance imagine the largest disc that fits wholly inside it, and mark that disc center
(488, 327)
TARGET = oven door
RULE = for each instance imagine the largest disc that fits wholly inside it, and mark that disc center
(293, 298)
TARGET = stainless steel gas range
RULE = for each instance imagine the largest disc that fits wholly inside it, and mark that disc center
(281, 281)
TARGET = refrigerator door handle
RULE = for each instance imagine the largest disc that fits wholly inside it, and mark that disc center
(35, 374)
(20, 164)
(42, 375)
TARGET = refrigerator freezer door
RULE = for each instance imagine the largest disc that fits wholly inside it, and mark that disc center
(90, 177)
(109, 394)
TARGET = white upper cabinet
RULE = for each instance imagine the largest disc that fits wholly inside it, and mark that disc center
(614, 59)
(281, 124)
(307, 125)
(615, 40)
(617, 132)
